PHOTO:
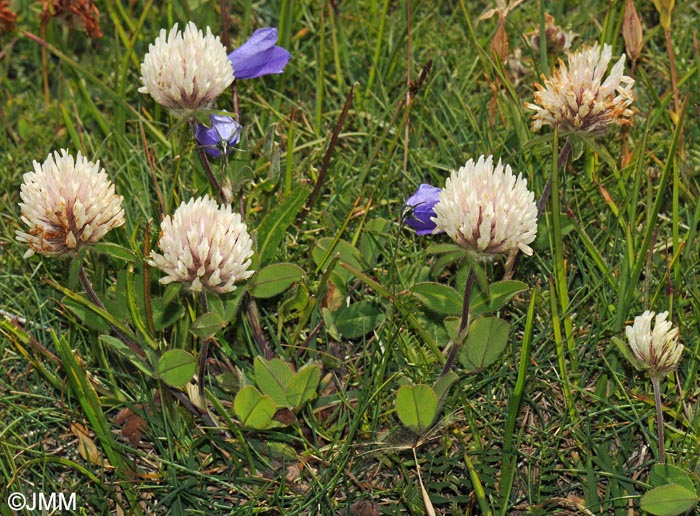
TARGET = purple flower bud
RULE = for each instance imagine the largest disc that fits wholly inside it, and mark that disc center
(423, 202)
(224, 133)
(259, 55)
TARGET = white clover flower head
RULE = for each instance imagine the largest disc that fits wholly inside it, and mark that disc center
(577, 99)
(657, 349)
(205, 246)
(185, 71)
(487, 209)
(67, 203)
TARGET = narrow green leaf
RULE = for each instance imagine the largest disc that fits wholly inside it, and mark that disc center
(626, 351)
(207, 324)
(94, 308)
(273, 227)
(358, 319)
(117, 345)
(370, 282)
(115, 251)
(274, 279)
(373, 239)
(85, 315)
(254, 409)
(668, 500)
(501, 292)
(445, 248)
(485, 343)
(325, 248)
(416, 406)
(272, 377)
(442, 385)
(176, 367)
(438, 298)
(302, 386)
(165, 316)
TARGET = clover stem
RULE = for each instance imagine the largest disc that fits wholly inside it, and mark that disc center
(204, 349)
(659, 418)
(461, 335)
(207, 167)
(87, 285)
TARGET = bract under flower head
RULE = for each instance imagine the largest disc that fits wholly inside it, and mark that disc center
(422, 203)
(576, 98)
(204, 246)
(185, 71)
(656, 349)
(487, 209)
(222, 135)
(259, 55)
(67, 203)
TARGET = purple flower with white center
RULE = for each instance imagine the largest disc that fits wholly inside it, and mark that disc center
(423, 204)
(223, 134)
(259, 55)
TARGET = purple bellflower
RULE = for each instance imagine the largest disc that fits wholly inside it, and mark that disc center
(259, 55)
(223, 134)
(423, 203)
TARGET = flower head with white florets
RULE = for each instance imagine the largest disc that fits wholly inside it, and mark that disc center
(577, 98)
(487, 209)
(67, 203)
(185, 71)
(656, 349)
(205, 246)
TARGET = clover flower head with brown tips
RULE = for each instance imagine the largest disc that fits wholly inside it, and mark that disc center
(580, 98)
(185, 71)
(67, 203)
(205, 246)
(487, 209)
(656, 349)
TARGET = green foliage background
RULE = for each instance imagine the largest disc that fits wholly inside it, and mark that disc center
(582, 437)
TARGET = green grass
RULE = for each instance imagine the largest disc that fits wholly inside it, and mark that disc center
(561, 422)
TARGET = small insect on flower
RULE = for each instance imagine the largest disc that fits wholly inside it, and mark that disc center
(67, 203)
(223, 133)
(421, 205)
(205, 246)
(657, 349)
(577, 99)
(185, 71)
(487, 209)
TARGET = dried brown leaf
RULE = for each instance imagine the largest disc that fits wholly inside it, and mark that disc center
(7, 17)
(75, 13)
(132, 425)
(86, 446)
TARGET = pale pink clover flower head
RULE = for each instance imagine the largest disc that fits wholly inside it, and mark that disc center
(67, 203)
(580, 98)
(657, 349)
(185, 71)
(205, 246)
(487, 209)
